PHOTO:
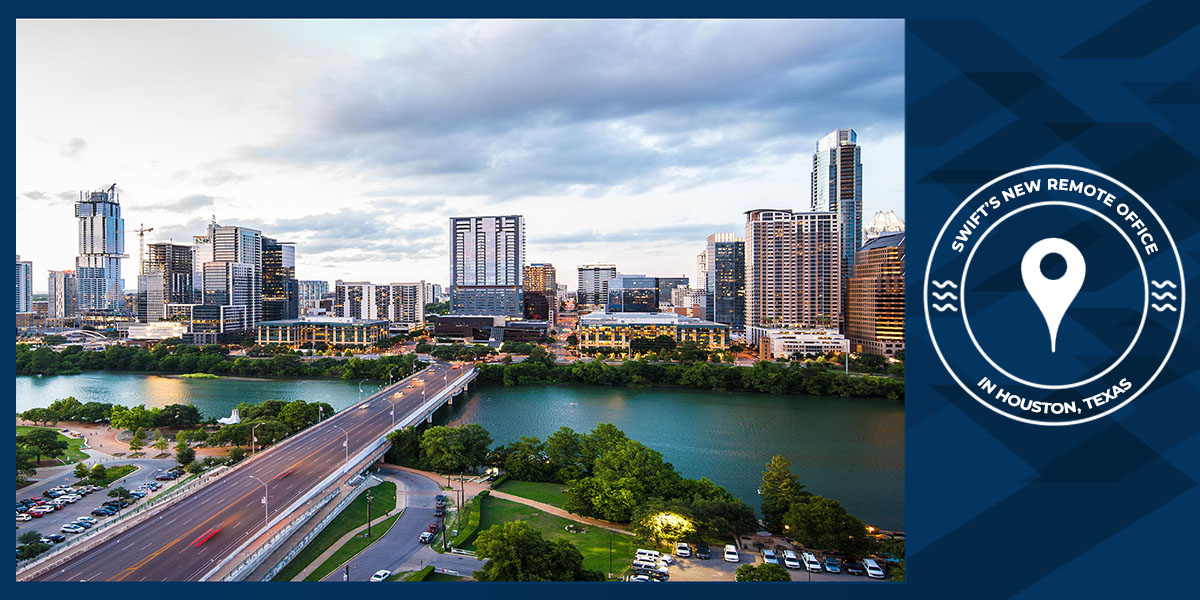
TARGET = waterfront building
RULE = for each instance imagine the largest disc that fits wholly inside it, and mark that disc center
(592, 291)
(487, 260)
(882, 223)
(101, 248)
(210, 323)
(280, 289)
(837, 188)
(402, 304)
(792, 271)
(603, 329)
(725, 277)
(166, 278)
(875, 317)
(783, 343)
(64, 295)
(318, 332)
(24, 285)
(310, 293)
(632, 293)
(156, 331)
(489, 329)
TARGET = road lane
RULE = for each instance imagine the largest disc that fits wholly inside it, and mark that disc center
(232, 504)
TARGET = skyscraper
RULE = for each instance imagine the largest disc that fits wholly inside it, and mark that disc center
(280, 290)
(875, 321)
(24, 285)
(792, 271)
(540, 300)
(64, 295)
(166, 278)
(487, 260)
(882, 223)
(593, 285)
(837, 188)
(725, 276)
(101, 248)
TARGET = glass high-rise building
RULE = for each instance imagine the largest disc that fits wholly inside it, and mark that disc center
(875, 319)
(593, 284)
(311, 292)
(725, 278)
(793, 271)
(280, 289)
(24, 285)
(632, 293)
(101, 248)
(166, 278)
(837, 188)
(64, 295)
(487, 260)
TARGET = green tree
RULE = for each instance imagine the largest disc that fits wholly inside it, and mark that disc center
(98, 474)
(185, 456)
(135, 442)
(662, 522)
(406, 447)
(763, 572)
(894, 550)
(29, 537)
(236, 454)
(160, 442)
(32, 550)
(819, 522)
(442, 449)
(515, 551)
(44, 442)
(25, 462)
(81, 470)
(119, 492)
(780, 488)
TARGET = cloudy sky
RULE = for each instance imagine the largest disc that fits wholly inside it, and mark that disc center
(620, 141)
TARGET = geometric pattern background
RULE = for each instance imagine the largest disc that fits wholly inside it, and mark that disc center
(998, 508)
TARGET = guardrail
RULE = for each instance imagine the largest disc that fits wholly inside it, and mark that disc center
(303, 542)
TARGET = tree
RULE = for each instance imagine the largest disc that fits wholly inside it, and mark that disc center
(177, 416)
(894, 550)
(135, 442)
(662, 522)
(25, 462)
(779, 489)
(31, 550)
(236, 454)
(160, 442)
(119, 492)
(29, 537)
(442, 449)
(99, 474)
(819, 522)
(763, 572)
(185, 456)
(515, 551)
(406, 447)
(138, 417)
(81, 471)
(193, 467)
(572, 340)
(44, 442)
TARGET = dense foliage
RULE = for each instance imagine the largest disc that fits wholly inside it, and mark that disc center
(180, 358)
(766, 377)
(460, 352)
(762, 572)
(517, 552)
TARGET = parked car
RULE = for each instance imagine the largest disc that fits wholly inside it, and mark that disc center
(682, 549)
(769, 557)
(810, 562)
(731, 553)
(22, 517)
(653, 575)
(640, 578)
(874, 571)
(425, 538)
(381, 575)
(790, 560)
(832, 564)
(55, 538)
(702, 551)
(71, 528)
(101, 512)
(433, 528)
(854, 567)
(438, 512)
(655, 555)
(645, 566)
(88, 519)
(83, 524)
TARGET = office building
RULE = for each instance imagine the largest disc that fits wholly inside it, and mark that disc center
(489, 329)
(882, 223)
(666, 285)
(725, 277)
(210, 323)
(632, 293)
(701, 282)
(64, 295)
(24, 285)
(540, 299)
(230, 268)
(614, 331)
(310, 293)
(101, 248)
(167, 277)
(789, 343)
(487, 260)
(592, 291)
(875, 317)
(401, 304)
(433, 293)
(837, 188)
(280, 289)
(321, 332)
(792, 271)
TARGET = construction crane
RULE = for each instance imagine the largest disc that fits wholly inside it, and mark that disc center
(142, 230)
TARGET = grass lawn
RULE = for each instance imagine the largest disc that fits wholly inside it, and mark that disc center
(349, 549)
(593, 544)
(112, 474)
(72, 453)
(546, 493)
(354, 516)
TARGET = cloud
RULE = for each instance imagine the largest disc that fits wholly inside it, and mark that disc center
(185, 204)
(221, 178)
(687, 232)
(510, 108)
(35, 195)
(73, 147)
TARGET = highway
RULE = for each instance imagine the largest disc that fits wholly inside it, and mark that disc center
(192, 536)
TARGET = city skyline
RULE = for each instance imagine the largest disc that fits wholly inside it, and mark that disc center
(685, 157)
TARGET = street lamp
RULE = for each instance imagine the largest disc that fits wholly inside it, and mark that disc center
(266, 507)
(253, 439)
(345, 444)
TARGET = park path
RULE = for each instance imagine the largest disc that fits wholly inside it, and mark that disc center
(401, 502)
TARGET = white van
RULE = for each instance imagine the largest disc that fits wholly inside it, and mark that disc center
(873, 568)
(810, 562)
(789, 560)
(654, 555)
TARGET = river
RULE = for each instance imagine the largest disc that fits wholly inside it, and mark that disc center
(848, 449)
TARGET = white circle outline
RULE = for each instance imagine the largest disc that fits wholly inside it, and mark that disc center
(1182, 296)
(962, 293)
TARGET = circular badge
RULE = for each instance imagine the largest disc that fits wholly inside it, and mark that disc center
(1054, 295)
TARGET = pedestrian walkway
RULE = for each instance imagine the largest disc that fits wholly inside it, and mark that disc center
(401, 502)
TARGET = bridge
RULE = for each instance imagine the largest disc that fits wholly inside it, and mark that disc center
(215, 529)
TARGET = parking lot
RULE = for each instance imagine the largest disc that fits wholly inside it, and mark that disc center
(717, 569)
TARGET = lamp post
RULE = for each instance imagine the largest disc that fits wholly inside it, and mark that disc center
(266, 507)
(360, 390)
(345, 444)
(253, 439)
(610, 567)
(368, 513)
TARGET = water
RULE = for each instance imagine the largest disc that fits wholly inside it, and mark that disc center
(848, 449)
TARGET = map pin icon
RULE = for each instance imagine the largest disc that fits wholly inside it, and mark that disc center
(1053, 296)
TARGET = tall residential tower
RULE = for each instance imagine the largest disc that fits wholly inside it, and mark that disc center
(792, 271)
(101, 248)
(487, 259)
